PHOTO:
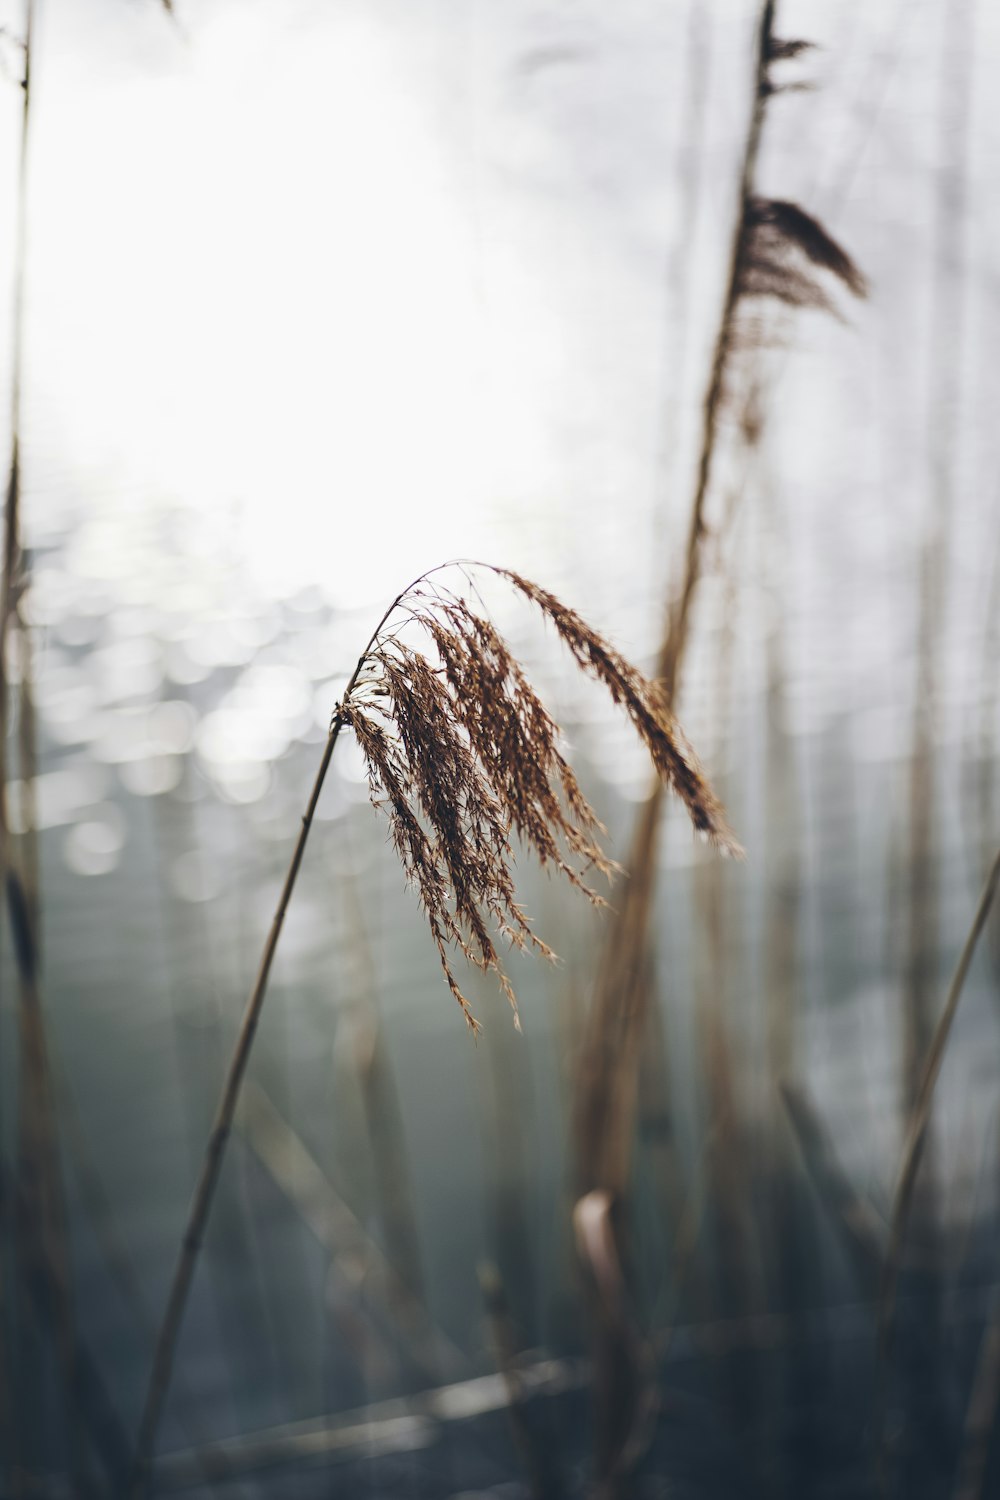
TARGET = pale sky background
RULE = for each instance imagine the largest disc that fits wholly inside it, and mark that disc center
(350, 288)
(392, 278)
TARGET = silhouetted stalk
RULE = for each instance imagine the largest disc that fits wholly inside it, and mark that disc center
(942, 408)
(776, 253)
(779, 254)
(204, 1193)
(9, 566)
(607, 1085)
(40, 1211)
(12, 560)
(41, 1216)
(690, 177)
(195, 1010)
(675, 640)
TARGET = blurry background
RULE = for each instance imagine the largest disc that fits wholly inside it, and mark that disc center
(317, 296)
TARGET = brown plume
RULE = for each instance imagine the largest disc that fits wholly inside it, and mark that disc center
(782, 249)
(462, 755)
(778, 48)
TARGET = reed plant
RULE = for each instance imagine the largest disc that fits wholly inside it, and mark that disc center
(781, 257)
(779, 254)
(463, 758)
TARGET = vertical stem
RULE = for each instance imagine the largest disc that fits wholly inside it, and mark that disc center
(606, 1088)
(41, 1213)
(204, 1193)
(943, 408)
(607, 1085)
(11, 565)
(674, 641)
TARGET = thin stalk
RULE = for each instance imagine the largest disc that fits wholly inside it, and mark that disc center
(234, 1268)
(691, 180)
(11, 564)
(675, 640)
(204, 1193)
(606, 1091)
(41, 1212)
(41, 1215)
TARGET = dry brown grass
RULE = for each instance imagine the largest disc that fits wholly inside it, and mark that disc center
(462, 755)
(779, 255)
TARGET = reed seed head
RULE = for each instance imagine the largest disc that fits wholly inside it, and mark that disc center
(783, 248)
(463, 757)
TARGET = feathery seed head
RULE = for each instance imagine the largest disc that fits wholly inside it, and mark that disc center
(462, 756)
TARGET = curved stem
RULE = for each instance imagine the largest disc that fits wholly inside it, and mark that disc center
(204, 1193)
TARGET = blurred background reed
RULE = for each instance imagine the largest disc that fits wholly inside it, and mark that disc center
(302, 299)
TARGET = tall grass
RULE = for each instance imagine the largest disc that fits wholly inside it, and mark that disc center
(776, 252)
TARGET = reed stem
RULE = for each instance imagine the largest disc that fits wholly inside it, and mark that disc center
(606, 1090)
(204, 1193)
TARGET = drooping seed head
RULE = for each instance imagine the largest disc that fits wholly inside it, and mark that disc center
(462, 755)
